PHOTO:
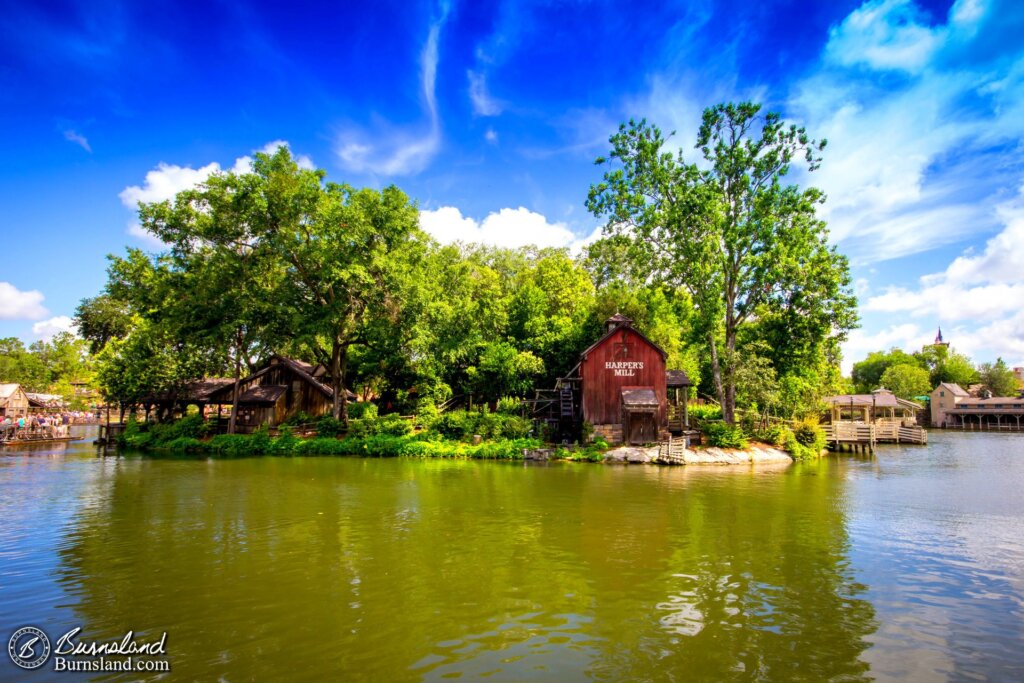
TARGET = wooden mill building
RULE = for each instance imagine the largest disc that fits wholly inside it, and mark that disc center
(622, 385)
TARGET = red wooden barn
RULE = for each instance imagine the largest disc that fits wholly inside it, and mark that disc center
(623, 384)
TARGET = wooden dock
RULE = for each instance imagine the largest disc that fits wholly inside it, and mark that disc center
(863, 436)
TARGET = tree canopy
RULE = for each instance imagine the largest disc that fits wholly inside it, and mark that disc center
(748, 249)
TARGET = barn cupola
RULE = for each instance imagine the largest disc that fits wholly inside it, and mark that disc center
(617, 320)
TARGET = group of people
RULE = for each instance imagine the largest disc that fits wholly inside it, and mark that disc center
(35, 426)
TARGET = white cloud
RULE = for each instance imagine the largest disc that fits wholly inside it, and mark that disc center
(884, 34)
(504, 228)
(78, 139)
(18, 305)
(908, 336)
(483, 103)
(167, 180)
(491, 136)
(915, 157)
(47, 329)
(982, 293)
(405, 152)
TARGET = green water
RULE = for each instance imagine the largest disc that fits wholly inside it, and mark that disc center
(908, 565)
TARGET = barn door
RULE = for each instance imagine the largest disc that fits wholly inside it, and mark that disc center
(640, 428)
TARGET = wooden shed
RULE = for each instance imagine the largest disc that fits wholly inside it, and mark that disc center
(623, 384)
(280, 389)
(13, 400)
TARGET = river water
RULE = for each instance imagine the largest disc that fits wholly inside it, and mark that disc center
(907, 565)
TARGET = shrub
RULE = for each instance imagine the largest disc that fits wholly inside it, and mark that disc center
(299, 418)
(285, 443)
(328, 426)
(723, 436)
(427, 415)
(705, 412)
(508, 406)
(361, 409)
(186, 444)
(775, 434)
(808, 440)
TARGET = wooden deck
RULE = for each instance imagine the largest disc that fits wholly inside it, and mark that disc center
(862, 435)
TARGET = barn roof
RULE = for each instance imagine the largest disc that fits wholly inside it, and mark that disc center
(622, 322)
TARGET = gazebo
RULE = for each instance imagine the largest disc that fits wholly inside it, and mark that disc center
(881, 405)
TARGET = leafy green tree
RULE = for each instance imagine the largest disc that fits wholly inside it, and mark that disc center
(955, 368)
(998, 378)
(906, 380)
(102, 318)
(20, 366)
(867, 374)
(728, 230)
(504, 371)
(220, 278)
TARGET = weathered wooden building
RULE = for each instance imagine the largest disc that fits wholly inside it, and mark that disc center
(13, 400)
(622, 384)
(280, 389)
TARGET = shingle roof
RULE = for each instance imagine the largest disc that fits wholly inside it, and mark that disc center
(7, 390)
(954, 389)
(677, 378)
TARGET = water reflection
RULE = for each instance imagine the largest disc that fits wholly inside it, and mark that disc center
(406, 570)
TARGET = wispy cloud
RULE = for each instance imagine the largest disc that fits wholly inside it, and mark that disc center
(402, 152)
(16, 304)
(480, 96)
(78, 139)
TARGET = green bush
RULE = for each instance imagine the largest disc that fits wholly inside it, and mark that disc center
(775, 435)
(705, 412)
(427, 415)
(808, 440)
(723, 436)
(361, 409)
(299, 418)
(328, 426)
(509, 406)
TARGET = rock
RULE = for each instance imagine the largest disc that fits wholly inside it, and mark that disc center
(632, 454)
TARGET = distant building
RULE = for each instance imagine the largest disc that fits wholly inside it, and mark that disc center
(13, 400)
(1019, 374)
(952, 407)
(939, 341)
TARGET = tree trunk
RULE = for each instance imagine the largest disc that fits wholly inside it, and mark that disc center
(729, 404)
(716, 375)
(339, 360)
(238, 378)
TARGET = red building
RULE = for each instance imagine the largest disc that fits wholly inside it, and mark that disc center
(623, 384)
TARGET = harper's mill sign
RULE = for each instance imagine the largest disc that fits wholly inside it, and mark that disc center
(624, 368)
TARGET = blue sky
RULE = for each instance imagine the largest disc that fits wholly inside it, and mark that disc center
(491, 114)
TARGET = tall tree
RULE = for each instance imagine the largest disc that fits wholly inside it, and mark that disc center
(998, 378)
(727, 230)
(867, 374)
(906, 380)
